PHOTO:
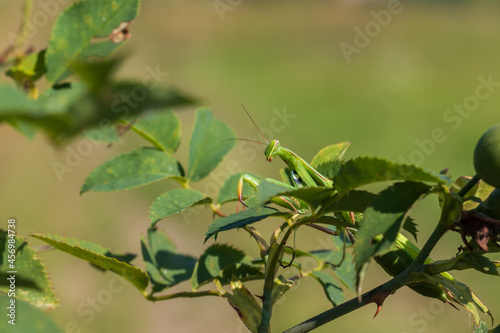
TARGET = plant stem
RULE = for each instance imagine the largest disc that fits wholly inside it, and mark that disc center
(20, 40)
(185, 294)
(351, 305)
(436, 235)
(470, 184)
(272, 265)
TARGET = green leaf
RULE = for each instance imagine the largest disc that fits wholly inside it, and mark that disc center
(28, 68)
(69, 109)
(117, 101)
(385, 216)
(31, 278)
(84, 250)
(104, 133)
(28, 318)
(352, 201)
(97, 74)
(366, 170)
(240, 220)
(346, 272)
(281, 286)
(162, 129)
(164, 265)
(478, 262)
(462, 295)
(333, 292)
(270, 188)
(175, 201)
(14, 103)
(220, 262)
(333, 221)
(91, 19)
(482, 192)
(313, 196)
(23, 127)
(410, 226)
(245, 304)
(229, 190)
(133, 169)
(328, 160)
(206, 148)
(245, 271)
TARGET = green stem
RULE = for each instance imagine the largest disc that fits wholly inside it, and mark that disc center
(20, 40)
(434, 238)
(215, 208)
(353, 304)
(272, 266)
(470, 184)
(28, 5)
(185, 294)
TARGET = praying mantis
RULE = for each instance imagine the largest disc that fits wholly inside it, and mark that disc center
(300, 173)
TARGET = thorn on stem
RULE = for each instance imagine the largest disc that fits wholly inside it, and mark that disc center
(379, 299)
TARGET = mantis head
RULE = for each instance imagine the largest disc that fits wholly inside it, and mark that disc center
(272, 149)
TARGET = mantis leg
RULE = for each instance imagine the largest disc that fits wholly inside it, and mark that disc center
(280, 201)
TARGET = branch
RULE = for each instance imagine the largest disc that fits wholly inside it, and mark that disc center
(185, 294)
(354, 304)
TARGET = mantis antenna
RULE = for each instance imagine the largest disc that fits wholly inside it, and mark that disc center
(238, 139)
(257, 127)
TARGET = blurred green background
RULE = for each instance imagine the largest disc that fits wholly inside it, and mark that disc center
(277, 55)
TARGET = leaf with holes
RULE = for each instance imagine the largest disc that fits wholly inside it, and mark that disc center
(478, 262)
(84, 30)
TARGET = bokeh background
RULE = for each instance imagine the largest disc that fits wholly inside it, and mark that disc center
(386, 98)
